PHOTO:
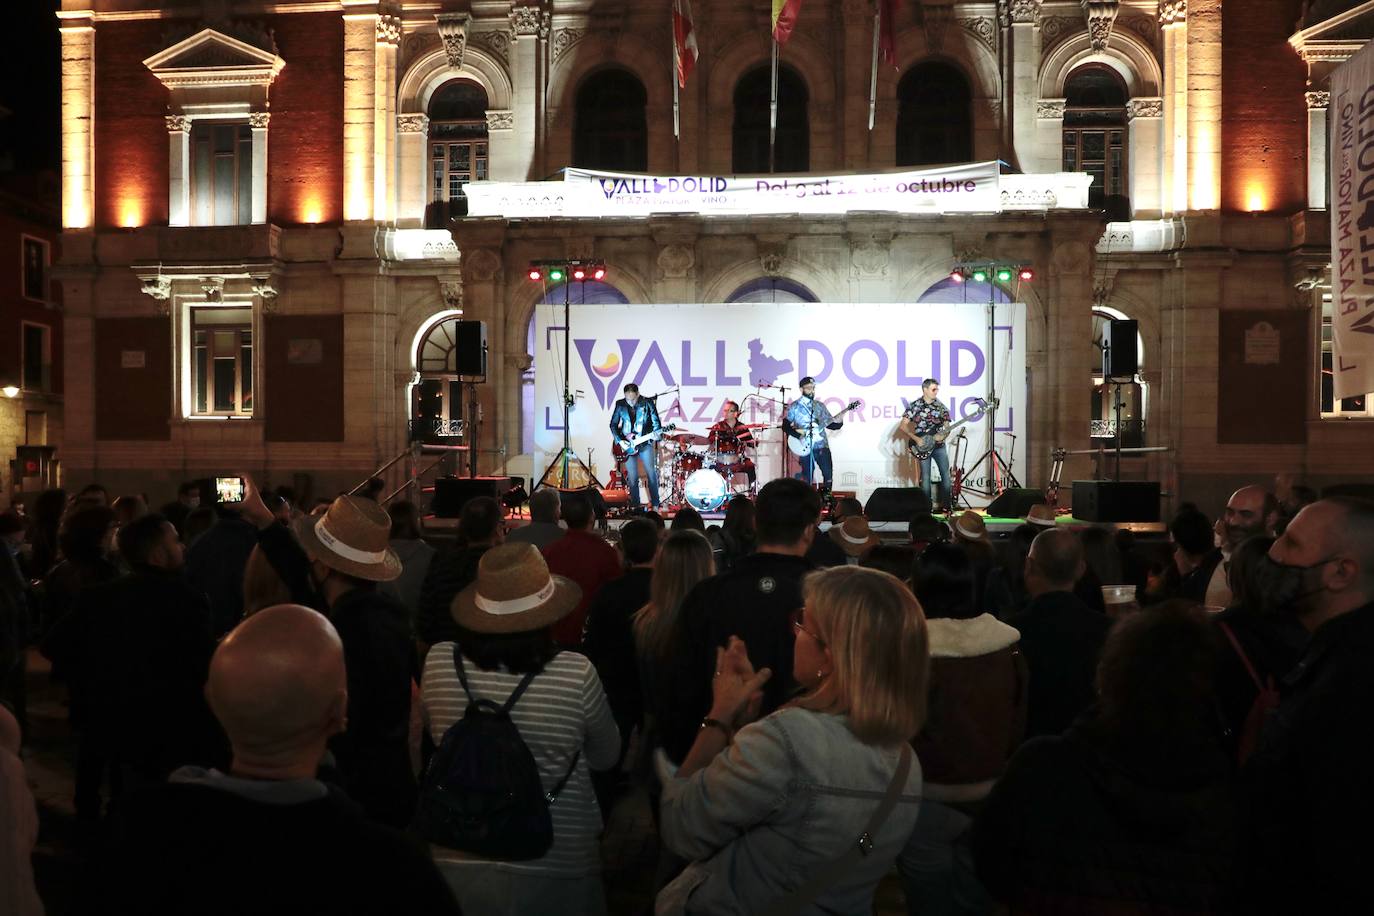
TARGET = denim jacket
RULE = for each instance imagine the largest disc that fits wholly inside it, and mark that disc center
(787, 798)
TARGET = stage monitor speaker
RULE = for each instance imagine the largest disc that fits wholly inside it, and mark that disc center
(470, 348)
(1015, 502)
(897, 504)
(452, 493)
(1120, 358)
(1116, 501)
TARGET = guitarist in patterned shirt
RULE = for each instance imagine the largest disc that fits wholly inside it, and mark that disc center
(927, 416)
(637, 418)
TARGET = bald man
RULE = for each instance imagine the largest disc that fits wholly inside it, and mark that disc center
(1250, 512)
(1060, 635)
(268, 836)
(1310, 803)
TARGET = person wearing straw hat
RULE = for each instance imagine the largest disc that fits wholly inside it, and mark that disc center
(506, 620)
(854, 537)
(1041, 516)
(334, 564)
(969, 526)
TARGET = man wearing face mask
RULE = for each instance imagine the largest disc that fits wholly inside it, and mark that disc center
(1250, 512)
(1308, 783)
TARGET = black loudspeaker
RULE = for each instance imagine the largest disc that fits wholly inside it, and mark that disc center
(470, 348)
(897, 504)
(452, 493)
(1015, 502)
(1119, 356)
(1116, 500)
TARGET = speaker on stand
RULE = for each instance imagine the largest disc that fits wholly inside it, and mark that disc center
(1120, 363)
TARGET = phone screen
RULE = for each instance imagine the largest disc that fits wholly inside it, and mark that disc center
(229, 489)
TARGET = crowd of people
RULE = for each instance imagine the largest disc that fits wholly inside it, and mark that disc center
(283, 708)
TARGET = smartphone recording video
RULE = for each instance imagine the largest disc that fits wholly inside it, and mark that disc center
(229, 489)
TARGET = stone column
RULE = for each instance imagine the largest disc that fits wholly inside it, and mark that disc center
(360, 112)
(1174, 183)
(1317, 105)
(1049, 136)
(1145, 118)
(179, 170)
(412, 167)
(528, 25)
(384, 169)
(1069, 308)
(1023, 86)
(78, 119)
(1204, 104)
(503, 159)
(257, 122)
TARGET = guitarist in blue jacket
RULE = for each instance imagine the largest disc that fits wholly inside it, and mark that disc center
(637, 418)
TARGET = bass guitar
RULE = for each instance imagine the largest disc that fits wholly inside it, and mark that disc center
(922, 446)
(637, 441)
(802, 443)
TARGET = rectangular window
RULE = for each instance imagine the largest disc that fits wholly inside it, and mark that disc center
(1101, 152)
(1358, 406)
(453, 163)
(34, 260)
(37, 357)
(221, 174)
(222, 362)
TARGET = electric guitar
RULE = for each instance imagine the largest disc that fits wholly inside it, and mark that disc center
(637, 441)
(921, 447)
(802, 443)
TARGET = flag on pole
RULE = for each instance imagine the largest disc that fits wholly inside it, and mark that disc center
(785, 13)
(684, 40)
(887, 30)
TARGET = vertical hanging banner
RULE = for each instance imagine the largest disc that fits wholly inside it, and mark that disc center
(695, 357)
(1352, 228)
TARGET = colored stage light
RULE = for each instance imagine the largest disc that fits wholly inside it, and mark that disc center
(556, 275)
(579, 274)
(536, 274)
(1003, 275)
(956, 276)
(980, 276)
(1026, 274)
(599, 273)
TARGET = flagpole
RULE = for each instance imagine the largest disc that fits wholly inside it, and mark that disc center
(873, 75)
(773, 111)
(676, 102)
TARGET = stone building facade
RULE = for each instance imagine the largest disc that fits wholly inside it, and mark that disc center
(263, 220)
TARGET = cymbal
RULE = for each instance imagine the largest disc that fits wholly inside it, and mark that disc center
(757, 425)
(683, 436)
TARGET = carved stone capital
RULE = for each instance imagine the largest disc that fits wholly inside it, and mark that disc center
(159, 288)
(267, 293)
(453, 32)
(676, 261)
(500, 119)
(451, 291)
(388, 30)
(1318, 99)
(1144, 108)
(1101, 15)
(869, 259)
(528, 20)
(177, 124)
(522, 361)
(1023, 11)
(258, 120)
(212, 288)
(1171, 11)
(483, 264)
(1051, 109)
(412, 124)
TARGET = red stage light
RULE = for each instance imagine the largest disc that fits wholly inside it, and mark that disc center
(956, 276)
(599, 273)
(579, 273)
(536, 275)
(1026, 274)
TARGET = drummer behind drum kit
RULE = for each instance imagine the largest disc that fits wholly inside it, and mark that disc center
(697, 470)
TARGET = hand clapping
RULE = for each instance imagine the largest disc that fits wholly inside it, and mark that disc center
(736, 687)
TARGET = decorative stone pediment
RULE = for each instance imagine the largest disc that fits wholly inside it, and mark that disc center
(211, 68)
(453, 31)
(1101, 15)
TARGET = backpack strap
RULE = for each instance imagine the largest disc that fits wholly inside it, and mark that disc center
(1244, 659)
(838, 868)
(551, 796)
(510, 701)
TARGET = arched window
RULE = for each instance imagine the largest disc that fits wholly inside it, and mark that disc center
(457, 147)
(1095, 135)
(1104, 394)
(610, 130)
(934, 116)
(437, 402)
(772, 289)
(792, 146)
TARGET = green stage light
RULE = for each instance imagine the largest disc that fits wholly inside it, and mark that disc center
(556, 275)
(980, 276)
(1003, 275)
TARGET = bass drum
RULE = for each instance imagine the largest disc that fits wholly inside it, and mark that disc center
(705, 490)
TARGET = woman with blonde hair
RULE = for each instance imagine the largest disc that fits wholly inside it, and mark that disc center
(803, 812)
(683, 560)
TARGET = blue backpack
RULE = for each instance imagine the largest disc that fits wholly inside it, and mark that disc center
(482, 793)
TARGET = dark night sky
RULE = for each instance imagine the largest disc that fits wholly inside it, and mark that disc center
(30, 82)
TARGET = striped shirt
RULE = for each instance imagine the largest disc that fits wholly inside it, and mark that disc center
(563, 710)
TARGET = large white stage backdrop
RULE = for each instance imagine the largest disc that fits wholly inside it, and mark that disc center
(701, 355)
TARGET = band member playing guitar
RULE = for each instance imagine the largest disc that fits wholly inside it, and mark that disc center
(731, 437)
(927, 417)
(806, 421)
(635, 426)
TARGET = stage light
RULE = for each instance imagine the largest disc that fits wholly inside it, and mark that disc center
(536, 274)
(980, 276)
(579, 274)
(555, 275)
(599, 273)
(1026, 274)
(956, 276)
(1004, 275)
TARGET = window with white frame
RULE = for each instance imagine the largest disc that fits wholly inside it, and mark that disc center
(221, 173)
(221, 361)
(1358, 406)
(36, 356)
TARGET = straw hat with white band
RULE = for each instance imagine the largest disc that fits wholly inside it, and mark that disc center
(853, 535)
(514, 593)
(352, 537)
(971, 527)
(1041, 516)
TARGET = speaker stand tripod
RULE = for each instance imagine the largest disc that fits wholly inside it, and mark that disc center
(560, 470)
(999, 472)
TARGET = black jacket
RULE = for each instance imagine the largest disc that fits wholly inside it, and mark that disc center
(1076, 827)
(215, 565)
(195, 848)
(1061, 639)
(1309, 807)
(628, 422)
(1272, 643)
(451, 571)
(608, 639)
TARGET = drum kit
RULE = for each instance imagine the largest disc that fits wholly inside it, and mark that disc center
(699, 470)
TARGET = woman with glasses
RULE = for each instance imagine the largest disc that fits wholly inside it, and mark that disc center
(775, 812)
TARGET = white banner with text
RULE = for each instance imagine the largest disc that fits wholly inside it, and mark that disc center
(1352, 226)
